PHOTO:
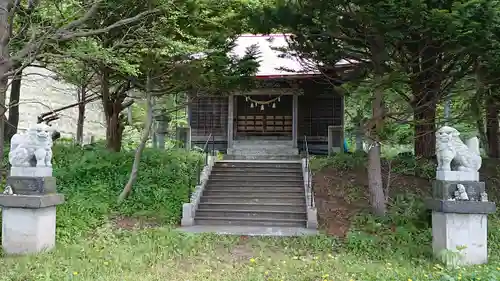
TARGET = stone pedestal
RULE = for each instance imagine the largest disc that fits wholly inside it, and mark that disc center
(30, 172)
(29, 222)
(459, 226)
(460, 238)
(29, 213)
(29, 200)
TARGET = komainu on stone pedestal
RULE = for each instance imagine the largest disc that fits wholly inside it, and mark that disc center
(33, 148)
(450, 148)
(459, 202)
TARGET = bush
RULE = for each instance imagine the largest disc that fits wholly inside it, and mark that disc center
(91, 179)
(404, 237)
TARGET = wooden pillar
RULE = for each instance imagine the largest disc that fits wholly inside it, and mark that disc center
(295, 106)
(230, 119)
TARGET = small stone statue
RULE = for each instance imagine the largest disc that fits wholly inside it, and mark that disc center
(449, 147)
(32, 149)
(8, 190)
(461, 194)
(484, 197)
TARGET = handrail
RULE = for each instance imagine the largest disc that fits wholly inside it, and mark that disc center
(310, 189)
(206, 151)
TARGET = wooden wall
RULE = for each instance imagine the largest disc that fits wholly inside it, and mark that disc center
(209, 115)
(319, 107)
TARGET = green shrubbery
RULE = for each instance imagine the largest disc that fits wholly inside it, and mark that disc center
(402, 240)
(91, 179)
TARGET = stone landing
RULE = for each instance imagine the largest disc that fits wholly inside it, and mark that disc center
(262, 150)
(250, 230)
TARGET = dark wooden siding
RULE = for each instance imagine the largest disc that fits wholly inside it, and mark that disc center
(319, 107)
(209, 115)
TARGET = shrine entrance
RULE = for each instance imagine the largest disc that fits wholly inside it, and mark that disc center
(263, 117)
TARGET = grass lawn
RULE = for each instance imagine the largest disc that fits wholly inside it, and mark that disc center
(165, 254)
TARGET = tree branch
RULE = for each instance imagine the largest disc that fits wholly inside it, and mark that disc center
(64, 35)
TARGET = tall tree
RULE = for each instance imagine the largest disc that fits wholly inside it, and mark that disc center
(431, 42)
(166, 65)
(58, 23)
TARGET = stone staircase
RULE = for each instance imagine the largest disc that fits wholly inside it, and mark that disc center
(262, 150)
(253, 193)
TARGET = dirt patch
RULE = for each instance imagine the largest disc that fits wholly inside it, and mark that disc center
(340, 195)
(131, 223)
(338, 199)
(241, 252)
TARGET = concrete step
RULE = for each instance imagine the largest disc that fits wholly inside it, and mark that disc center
(257, 192)
(263, 149)
(224, 170)
(257, 188)
(252, 185)
(254, 206)
(252, 176)
(261, 180)
(237, 213)
(250, 222)
(257, 151)
(263, 145)
(262, 141)
(259, 163)
(267, 199)
(250, 156)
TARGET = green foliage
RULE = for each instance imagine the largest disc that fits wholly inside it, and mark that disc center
(421, 51)
(91, 178)
(340, 161)
(394, 248)
(413, 166)
(402, 232)
(402, 240)
(405, 235)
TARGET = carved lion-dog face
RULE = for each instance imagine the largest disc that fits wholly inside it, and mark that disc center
(446, 134)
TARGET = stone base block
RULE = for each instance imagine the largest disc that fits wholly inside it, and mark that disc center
(31, 171)
(460, 239)
(32, 185)
(312, 218)
(30, 201)
(461, 207)
(445, 190)
(457, 176)
(29, 223)
(187, 215)
(26, 231)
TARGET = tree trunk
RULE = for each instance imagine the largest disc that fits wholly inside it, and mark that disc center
(112, 105)
(375, 183)
(114, 131)
(15, 95)
(5, 7)
(81, 115)
(478, 103)
(492, 129)
(145, 136)
(425, 140)
(424, 116)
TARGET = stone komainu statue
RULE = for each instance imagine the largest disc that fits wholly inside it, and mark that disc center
(450, 148)
(33, 148)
